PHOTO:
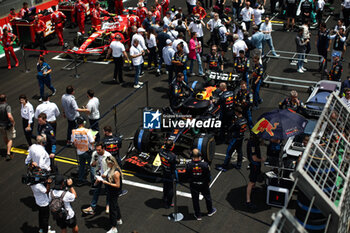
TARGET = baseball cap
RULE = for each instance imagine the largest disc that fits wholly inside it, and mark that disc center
(140, 30)
(168, 41)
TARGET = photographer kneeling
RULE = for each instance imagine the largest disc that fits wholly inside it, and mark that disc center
(63, 190)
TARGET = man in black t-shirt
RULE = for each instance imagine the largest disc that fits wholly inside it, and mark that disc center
(7, 125)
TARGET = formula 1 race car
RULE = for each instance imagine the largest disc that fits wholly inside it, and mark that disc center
(98, 42)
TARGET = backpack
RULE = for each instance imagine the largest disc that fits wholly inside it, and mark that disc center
(217, 35)
(57, 206)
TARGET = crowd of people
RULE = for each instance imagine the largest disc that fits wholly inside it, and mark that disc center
(170, 39)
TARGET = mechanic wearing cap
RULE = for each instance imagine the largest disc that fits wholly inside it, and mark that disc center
(241, 66)
(44, 76)
(40, 28)
(214, 60)
(117, 50)
(336, 70)
(178, 90)
(7, 40)
(50, 109)
(237, 129)
(198, 172)
(292, 102)
(64, 188)
(83, 141)
(58, 18)
(244, 99)
(255, 160)
(46, 129)
(80, 10)
(167, 55)
(257, 77)
(169, 161)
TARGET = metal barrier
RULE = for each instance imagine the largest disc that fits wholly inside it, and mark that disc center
(284, 222)
(294, 56)
(287, 81)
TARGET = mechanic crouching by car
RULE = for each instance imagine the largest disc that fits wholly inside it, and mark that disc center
(198, 172)
(237, 129)
(178, 91)
(169, 161)
(292, 102)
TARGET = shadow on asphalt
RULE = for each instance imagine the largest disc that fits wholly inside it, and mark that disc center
(155, 203)
(29, 229)
(29, 202)
(237, 199)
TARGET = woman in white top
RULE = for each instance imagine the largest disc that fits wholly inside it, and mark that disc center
(152, 47)
(27, 114)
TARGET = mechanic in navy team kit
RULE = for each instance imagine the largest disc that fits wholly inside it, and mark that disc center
(226, 102)
(292, 102)
(112, 143)
(237, 129)
(241, 66)
(244, 99)
(255, 160)
(214, 60)
(336, 70)
(169, 161)
(178, 90)
(198, 173)
(44, 77)
(46, 129)
(257, 77)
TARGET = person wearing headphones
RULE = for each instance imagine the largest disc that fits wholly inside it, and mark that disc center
(83, 141)
(198, 172)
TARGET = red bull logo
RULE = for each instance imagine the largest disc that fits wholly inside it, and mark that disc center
(265, 125)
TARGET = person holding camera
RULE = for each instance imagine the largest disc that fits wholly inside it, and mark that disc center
(98, 161)
(83, 141)
(40, 191)
(64, 189)
(37, 156)
(7, 125)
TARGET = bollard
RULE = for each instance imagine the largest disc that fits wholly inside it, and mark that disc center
(26, 70)
(76, 75)
(147, 96)
(176, 216)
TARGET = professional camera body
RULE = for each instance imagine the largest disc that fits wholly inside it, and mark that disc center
(195, 19)
(35, 176)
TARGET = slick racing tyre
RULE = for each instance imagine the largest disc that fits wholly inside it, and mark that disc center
(205, 143)
(142, 140)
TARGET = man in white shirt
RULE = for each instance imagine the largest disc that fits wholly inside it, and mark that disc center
(99, 166)
(50, 109)
(27, 114)
(178, 41)
(223, 33)
(346, 99)
(117, 49)
(136, 54)
(42, 202)
(213, 23)
(167, 18)
(258, 11)
(247, 14)
(172, 33)
(38, 156)
(190, 5)
(238, 45)
(346, 11)
(92, 109)
(197, 27)
(168, 53)
(266, 28)
(68, 197)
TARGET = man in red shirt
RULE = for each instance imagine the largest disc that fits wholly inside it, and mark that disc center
(134, 20)
(58, 18)
(39, 28)
(7, 40)
(141, 11)
(96, 15)
(12, 16)
(165, 6)
(80, 10)
(198, 9)
(119, 7)
(156, 13)
(24, 11)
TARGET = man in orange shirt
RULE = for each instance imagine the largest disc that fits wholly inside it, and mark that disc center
(7, 40)
(198, 9)
(58, 18)
(84, 142)
(39, 28)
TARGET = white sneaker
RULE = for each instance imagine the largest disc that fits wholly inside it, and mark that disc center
(119, 222)
(305, 60)
(137, 86)
(113, 230)
(40, 99)
(140, 83)
(303, 69)
(300, 71)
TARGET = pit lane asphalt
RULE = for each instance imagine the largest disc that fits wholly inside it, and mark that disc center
(141, 208)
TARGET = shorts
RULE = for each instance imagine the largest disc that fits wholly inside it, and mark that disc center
(224, 46)
(9, 133)
(254, 173)
(64, 223)
(290, 11)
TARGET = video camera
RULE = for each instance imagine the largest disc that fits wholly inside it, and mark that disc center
(36, 176)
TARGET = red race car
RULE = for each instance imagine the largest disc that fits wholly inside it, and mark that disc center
(98, 41)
